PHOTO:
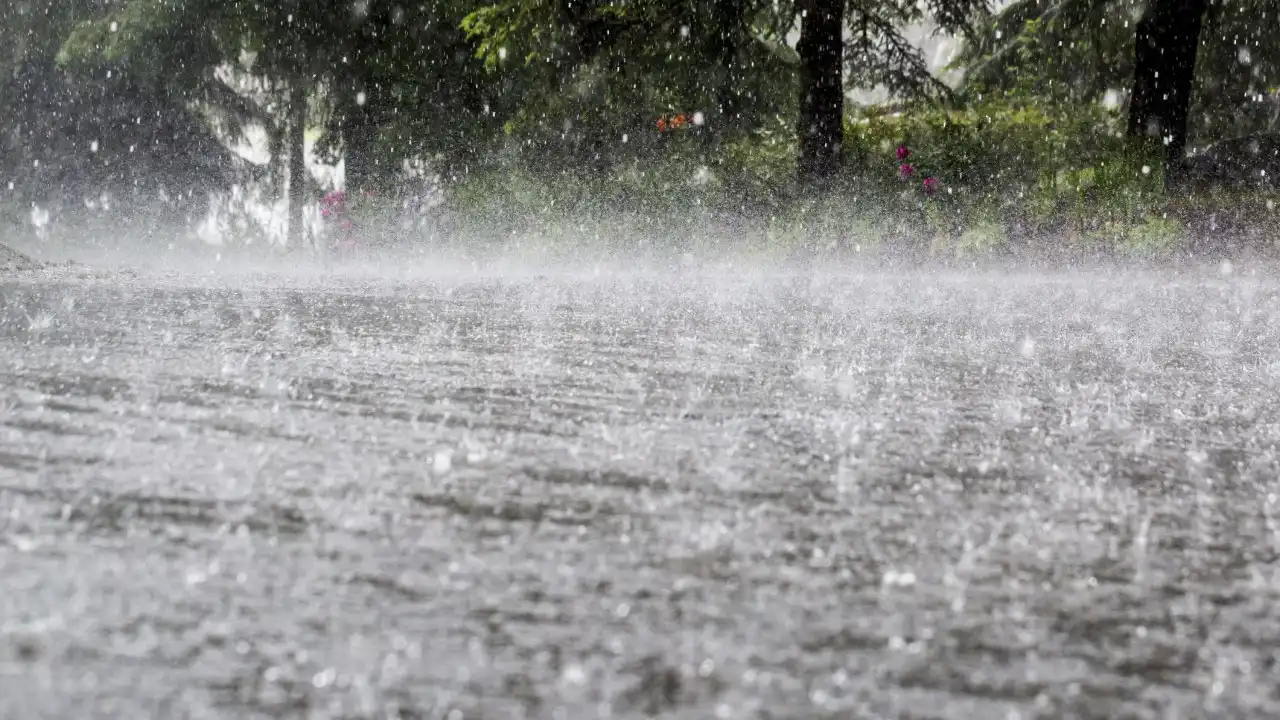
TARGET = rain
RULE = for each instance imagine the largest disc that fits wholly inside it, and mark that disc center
(738, 359)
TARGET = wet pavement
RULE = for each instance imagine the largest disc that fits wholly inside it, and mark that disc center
(706, 494)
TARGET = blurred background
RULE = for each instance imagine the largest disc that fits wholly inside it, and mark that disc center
(1143, 127)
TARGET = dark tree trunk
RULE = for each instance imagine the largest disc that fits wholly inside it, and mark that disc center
(297, 161)
(1168, 36)
(728, 38)
(277, 136)
(358, 137)
(821, 124)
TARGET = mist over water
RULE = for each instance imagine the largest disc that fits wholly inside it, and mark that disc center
(745, 488)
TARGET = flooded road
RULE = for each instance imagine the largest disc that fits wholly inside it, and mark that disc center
(696, 495)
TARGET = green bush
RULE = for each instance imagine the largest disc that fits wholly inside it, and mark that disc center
(1008, 172)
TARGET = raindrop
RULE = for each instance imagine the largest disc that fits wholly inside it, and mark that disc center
(502, 53)
(684, 31)
(894, 578)
(1146, 169)
(575, 674)
(442, 462)
(699, 118)
(324, 678)
(1028, 347)
(1244, 56)
(114, 26)
(93, 146)
(361, 98)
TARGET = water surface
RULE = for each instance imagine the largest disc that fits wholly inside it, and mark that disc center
(678, 494)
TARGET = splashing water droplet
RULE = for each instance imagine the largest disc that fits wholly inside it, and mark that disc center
(896, 578)
(1028, 347)
(442, 462)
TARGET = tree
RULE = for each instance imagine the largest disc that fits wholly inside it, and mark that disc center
(178, 48)
(613, 65)
(1166, 41)
(81, 141)
(821, 121)
(876, 53)
(405, 83)
(585, 74)
(727, 39)
(1227, 52)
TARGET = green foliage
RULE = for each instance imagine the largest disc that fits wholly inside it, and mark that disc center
(1012, 175)
(592, 78)
(1077, 51)
(1003, 148)
(1155, 236)
(542, 113)
(984, 237)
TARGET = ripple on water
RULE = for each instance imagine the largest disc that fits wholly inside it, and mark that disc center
(866, 496)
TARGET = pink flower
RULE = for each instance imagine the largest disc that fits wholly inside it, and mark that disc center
(904, 152)
(906, 170)
(930, 185)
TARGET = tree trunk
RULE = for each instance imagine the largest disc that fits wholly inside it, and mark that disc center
(1168, 36)
(297, 161)
(277, 128)
(821, 124)
(728, 36)
(358, 135)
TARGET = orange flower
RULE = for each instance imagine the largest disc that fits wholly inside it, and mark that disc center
(678, 121)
